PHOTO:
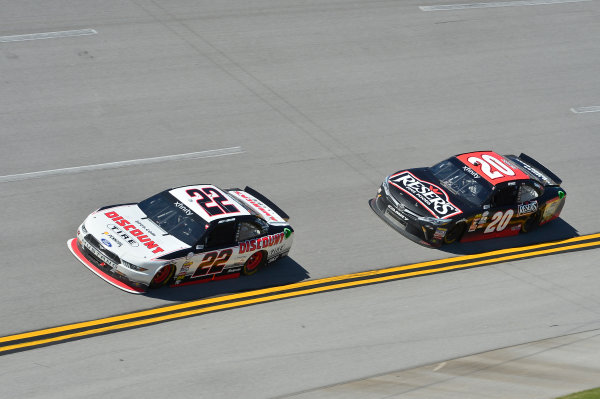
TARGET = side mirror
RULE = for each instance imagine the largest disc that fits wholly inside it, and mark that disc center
(486, 206)
(199, 247)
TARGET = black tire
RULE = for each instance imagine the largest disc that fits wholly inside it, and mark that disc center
(454, 233)
(163, 276)
(531, 223)
(254, 263)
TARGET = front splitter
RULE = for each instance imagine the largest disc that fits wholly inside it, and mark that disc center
(72, 244)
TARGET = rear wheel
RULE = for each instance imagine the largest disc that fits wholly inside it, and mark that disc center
(531, 223)
(162, 276)
(454, 233)
(253, 263)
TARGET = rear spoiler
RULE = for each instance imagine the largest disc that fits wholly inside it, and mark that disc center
(538, 170)
(267, 202)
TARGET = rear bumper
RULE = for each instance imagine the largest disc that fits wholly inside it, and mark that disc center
(104, 272)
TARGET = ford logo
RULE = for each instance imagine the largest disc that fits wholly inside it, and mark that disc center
(106, 242)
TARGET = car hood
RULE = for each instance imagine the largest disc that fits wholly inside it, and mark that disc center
(421, 192)
(125, 231)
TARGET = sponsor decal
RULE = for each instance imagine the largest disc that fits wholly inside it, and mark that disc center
(113, 238)
(478, 221)
(528, 208)
(184, 208)
(143, 226)
(439, 233)
(137, 233)
(550, 210)
(396, 212)
(99, 255)
(106, 242)
(261, 243)
(123, 235)
(430, 196)
(535, 172)
(262, 208)
(183, 271)
(471, 172)
(278, 253)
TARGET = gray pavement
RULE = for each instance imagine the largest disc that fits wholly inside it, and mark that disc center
(543, 369)
(325, 98)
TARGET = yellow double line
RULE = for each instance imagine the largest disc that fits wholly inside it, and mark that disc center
(53, 335)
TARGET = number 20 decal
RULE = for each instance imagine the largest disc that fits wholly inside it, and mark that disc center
(213, 263)
(487, 161)
(499, 221)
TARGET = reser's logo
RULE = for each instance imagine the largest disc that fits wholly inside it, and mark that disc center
(528, 208)
(433, 198)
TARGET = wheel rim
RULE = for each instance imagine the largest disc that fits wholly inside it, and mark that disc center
(254, 261)
(529, 224)
(453, 234)
(162, 275)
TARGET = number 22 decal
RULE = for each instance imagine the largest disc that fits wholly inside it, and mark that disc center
(212, 201)
(499, 221)
(487, 161)
(213, 263)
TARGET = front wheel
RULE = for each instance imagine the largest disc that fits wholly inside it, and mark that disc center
(162, 276)
(454, 233)
(253, 263)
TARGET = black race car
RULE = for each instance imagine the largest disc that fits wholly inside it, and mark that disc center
(470, 197)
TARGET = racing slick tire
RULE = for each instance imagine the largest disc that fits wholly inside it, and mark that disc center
(253, 263)
(531, 222)
(454, 233)
(163, 276)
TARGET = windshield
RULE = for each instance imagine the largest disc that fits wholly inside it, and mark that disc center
(174, 217)
(455, 176)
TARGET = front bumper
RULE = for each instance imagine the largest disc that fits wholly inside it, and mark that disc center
(108, 266)
(406, 222)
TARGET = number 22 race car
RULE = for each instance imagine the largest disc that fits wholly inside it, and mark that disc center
(469, 197)
(183, 236)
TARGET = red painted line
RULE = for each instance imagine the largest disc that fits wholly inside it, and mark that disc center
(72, 244)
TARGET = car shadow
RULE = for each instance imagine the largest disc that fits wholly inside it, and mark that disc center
(556, 230)
(284, 271)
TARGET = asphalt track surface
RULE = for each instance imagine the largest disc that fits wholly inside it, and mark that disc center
(324, 98)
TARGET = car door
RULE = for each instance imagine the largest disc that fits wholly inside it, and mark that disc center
(502, 217)
(215, 253)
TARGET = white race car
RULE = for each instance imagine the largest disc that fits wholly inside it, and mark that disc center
(183, 236)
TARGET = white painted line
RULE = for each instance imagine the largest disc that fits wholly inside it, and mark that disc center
(445, 7)
(47, 35)
(439, 366)
(583, 110)
(112, 165)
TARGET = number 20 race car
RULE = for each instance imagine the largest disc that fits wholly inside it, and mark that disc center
(182, 236)
(470, 197)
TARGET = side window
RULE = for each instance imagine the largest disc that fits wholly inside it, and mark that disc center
(505, 196)
(248, 230)
(527, 193)
(222, 235)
